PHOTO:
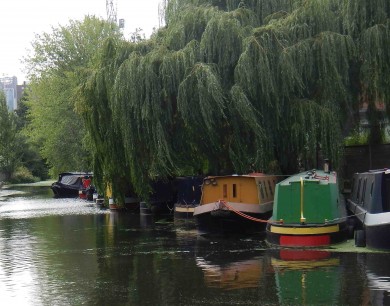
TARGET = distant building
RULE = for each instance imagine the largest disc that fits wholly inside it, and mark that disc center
(20, 90)
(9, 85)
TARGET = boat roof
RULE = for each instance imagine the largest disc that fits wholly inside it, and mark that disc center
(374, 172)
(312, 175)
(384, 170)
(254, 174)
(76, 173)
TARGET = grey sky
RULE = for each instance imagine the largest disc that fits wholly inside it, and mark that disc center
(20, 20)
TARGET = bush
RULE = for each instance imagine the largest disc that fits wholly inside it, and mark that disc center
(357, 138)
(23, 175)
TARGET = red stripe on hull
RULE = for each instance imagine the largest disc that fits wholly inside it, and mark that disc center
(317, 240)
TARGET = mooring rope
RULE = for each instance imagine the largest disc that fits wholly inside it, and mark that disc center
(346, 217)
(170, 209)
(223, 202)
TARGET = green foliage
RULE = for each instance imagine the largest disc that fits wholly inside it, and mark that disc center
(314, 124)
(376, 62)
(23, 175)
(94, 98)
(234, 86)
(361, 15)
(188, 23)
(10, 144)
(54, 124)
(68, 47)
(56, 69)
(31, 158)
(356, 138)
(221, 41)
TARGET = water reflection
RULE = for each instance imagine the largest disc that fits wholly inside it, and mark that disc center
(67, 252)
(34, 202)
(306, 277)
(378, 277)
(234, 275)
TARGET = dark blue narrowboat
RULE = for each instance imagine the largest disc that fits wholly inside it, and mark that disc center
(69, 184)
(369, 203)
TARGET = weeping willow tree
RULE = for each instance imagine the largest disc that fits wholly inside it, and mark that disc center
(300, 78)
(235, 86)
(368, 23)
(94, 105)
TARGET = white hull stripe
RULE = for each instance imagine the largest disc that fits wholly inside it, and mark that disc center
(367, 218)
(242, 207)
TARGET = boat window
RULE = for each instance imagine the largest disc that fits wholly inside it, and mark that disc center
(386, 194)
(261, 190)
(372, 187)
(353, 185)
(363, 191)
(358, 190)
(234, 190)
(224, 190)
(270, 188)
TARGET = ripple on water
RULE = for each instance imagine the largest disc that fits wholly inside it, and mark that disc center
(4, 193)
(23, 207)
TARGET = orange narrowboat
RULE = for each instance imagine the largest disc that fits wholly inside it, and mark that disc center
(235, 203)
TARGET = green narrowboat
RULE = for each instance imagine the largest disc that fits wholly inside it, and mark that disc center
(308, 211)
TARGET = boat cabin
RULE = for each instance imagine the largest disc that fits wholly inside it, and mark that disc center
(371, 190)
(248, 189)
(309, 195)
(308, 211)
(369, 204)
(235, 203)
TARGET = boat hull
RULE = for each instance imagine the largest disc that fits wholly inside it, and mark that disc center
(132, 204)
(87, 193)
(155, 208)
(182, 211)
(308, 211)
(377, 236)
(306, 235)
(376, 226)
(217, 218)
(162, 199)
(64, 191)
(189, 193)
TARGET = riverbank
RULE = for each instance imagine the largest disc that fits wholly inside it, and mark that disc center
(47, 183)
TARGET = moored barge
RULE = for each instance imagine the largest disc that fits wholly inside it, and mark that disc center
(308, 211)
(369, 203)
(235, 203)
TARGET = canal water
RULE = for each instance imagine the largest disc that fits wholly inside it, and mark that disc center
(68, 252)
